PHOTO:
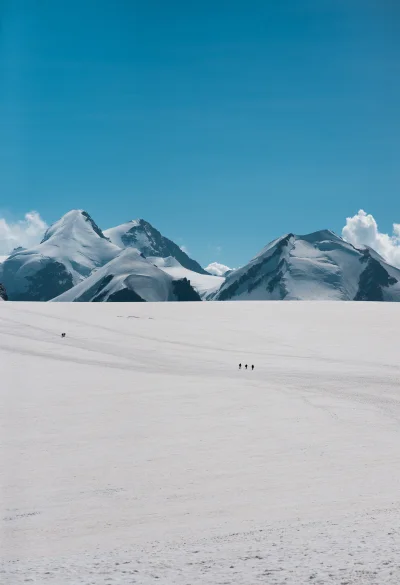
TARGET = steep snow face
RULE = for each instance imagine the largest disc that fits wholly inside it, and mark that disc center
(69, 251)
(130, 278)
(205, 284)
(317, 266)
(144, 237)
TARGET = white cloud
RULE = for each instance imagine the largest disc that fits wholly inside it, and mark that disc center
(24, 232)
(362, 230)
(184, 249)
(217, 269)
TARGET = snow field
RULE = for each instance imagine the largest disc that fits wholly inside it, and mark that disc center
(134, 451)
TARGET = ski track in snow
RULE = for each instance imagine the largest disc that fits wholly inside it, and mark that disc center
(134, 451)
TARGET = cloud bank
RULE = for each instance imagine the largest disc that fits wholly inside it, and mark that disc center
(217, 269)
(26, 232)
(362, 230)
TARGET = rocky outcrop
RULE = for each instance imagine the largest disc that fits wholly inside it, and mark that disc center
(3, 293)
(184, 291)
(373, 280)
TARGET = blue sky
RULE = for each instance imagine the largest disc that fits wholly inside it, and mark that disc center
(223, 123)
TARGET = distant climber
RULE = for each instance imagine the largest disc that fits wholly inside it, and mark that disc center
(252, 367)
(62, 334)
(245, 367)
(240, 366)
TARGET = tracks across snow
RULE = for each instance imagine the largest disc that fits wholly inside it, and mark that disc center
(135, 452)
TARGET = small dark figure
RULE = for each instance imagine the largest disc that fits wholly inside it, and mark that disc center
(252, 367)
(62, 334)
(245, 367)
(240, 366)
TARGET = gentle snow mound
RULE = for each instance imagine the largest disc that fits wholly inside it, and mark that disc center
(129, 277)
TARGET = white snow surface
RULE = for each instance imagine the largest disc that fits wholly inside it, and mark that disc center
(129, 270)
(135, 451)
(204, 284)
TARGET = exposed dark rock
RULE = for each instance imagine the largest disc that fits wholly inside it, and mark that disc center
(94, 225)
(3, 293)
(372, 280)
(47, 283)
(274, 262)
(184, 291)
(125, 295)
(95, 292)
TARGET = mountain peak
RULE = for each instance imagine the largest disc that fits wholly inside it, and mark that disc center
(140, 234)
(71, 224)
(316, 266)
(71, 249)
(319, 236)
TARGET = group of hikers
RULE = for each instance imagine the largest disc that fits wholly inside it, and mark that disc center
(240, 365)
(245, 367)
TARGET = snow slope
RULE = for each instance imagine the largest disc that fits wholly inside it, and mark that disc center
(129, 278)
(140, 234)
(317, 266)
(71, 248)
(204, 284)
(134, 451)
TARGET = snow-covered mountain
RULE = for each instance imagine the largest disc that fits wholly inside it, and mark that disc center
(76, 261)
(3, 293)
(141, 235)
(70, 250)
(317, 266)
(130, 278)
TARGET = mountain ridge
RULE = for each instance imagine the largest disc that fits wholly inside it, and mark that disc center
(140, 234)
(76, 260)
(316, 266)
